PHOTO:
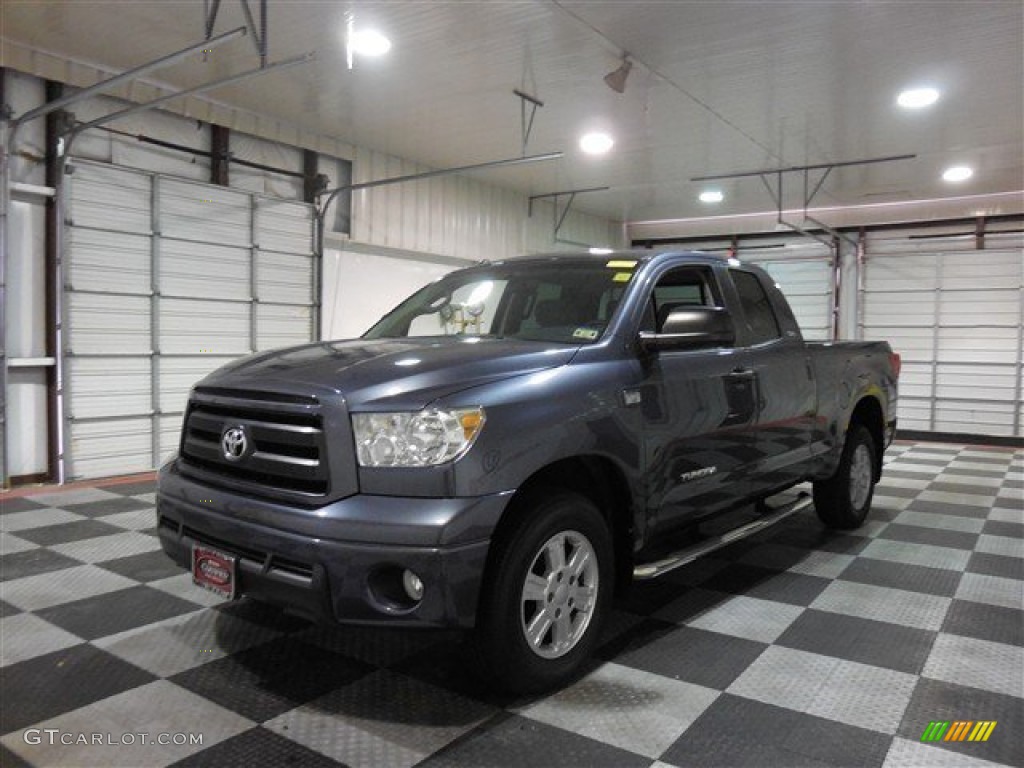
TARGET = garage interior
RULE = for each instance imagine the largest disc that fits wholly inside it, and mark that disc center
(187, 183)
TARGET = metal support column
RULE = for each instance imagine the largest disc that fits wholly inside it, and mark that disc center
(254, 251)
(937, 308)
(154, 315)
(5, 180)
(55, 122)
(837, 284)
(220, 153)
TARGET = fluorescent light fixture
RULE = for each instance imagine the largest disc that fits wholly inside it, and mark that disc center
(368, 42)
(711, 196)
(917, 98)
(957, 173)
(600, 251)
(596, 143)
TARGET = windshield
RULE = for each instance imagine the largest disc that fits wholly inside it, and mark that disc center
(570, 302)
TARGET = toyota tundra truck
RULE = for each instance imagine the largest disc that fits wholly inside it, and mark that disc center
(516, 442)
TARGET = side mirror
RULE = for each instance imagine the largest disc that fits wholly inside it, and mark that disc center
(692, 328)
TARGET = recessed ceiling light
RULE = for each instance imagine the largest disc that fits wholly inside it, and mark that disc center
(917, 98)
(957, 173)
(368, 42)
(711, 196)
(596, 143)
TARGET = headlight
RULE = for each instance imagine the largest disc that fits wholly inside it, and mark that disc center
(423, 439)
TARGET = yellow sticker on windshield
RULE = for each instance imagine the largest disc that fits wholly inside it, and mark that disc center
(622, 277)
(621, 264)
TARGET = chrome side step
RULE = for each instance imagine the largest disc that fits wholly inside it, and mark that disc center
(682, 557)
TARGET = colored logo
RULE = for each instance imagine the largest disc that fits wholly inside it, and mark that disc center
(958, 730)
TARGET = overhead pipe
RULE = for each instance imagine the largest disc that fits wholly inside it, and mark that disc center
(117, 80)
(230, 80)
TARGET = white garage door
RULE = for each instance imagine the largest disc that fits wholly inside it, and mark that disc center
(954, 313)
(166, 280)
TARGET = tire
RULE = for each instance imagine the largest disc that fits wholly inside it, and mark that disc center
(534, 631)
(843, 500)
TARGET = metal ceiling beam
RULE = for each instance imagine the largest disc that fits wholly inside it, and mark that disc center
(800, 168)
(232, 79)
(809, 193)
(526, 126)
(124, 77)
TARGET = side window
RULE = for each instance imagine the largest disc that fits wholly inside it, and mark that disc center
(764, 326)
(677, 289)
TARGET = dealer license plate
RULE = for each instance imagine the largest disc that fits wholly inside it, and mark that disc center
(214, 571)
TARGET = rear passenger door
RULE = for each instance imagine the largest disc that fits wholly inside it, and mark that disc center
(782, 375)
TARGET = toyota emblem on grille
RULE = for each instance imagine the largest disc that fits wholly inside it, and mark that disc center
(234, 443)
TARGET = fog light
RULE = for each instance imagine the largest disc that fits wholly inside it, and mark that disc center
(412, 585)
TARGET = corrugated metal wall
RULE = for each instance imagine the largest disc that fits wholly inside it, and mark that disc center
(461, 217)
(167, 279)
(955, 314)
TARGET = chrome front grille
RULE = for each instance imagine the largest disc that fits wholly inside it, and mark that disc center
(283, 451)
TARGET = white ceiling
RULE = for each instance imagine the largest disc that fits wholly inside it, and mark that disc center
(717, 87)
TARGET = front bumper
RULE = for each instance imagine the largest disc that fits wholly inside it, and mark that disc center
(334, 563)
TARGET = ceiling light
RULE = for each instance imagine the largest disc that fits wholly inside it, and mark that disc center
(596, 143)
(917, 98)
(957, 173)
(368, 42)
(600, 251)
(617, 80)
(711, 196)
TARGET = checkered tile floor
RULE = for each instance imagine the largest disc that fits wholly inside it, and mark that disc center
(799, 647)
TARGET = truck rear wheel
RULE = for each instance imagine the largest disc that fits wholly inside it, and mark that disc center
(843, 500)
(548, 589)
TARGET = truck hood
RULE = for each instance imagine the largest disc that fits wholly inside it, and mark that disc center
(405, 374)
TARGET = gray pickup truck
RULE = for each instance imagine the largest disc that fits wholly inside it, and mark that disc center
(517, 441)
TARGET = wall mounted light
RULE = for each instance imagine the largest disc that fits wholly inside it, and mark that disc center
(617, 80)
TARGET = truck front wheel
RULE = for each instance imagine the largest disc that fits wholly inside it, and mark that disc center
(548, 590)
(843, 500)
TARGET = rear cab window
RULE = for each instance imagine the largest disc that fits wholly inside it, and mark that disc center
(761, 322)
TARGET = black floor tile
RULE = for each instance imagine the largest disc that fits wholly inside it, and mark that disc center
(985, 622)
(105, 507)
(144, 567)
(738, 732)
(792, 588)
(956, 472)
(893, 470)
(939, 537)
(518, 742)
(32, 562)
(10, 506)
(692, 655)
(64, 533)
(257, 748)
(813, 535)
(267, 616)
(913, 578)
(937, 700)
(942, 508)
(132, 489)
(9, 759)
(996, 565)
(6, 609)
(896, 490)
(646, 597)
(46, 686)
(869, 642)
(1000, 528)
(944, 485)
(115, 612)
(911, 458)
(265, 681)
